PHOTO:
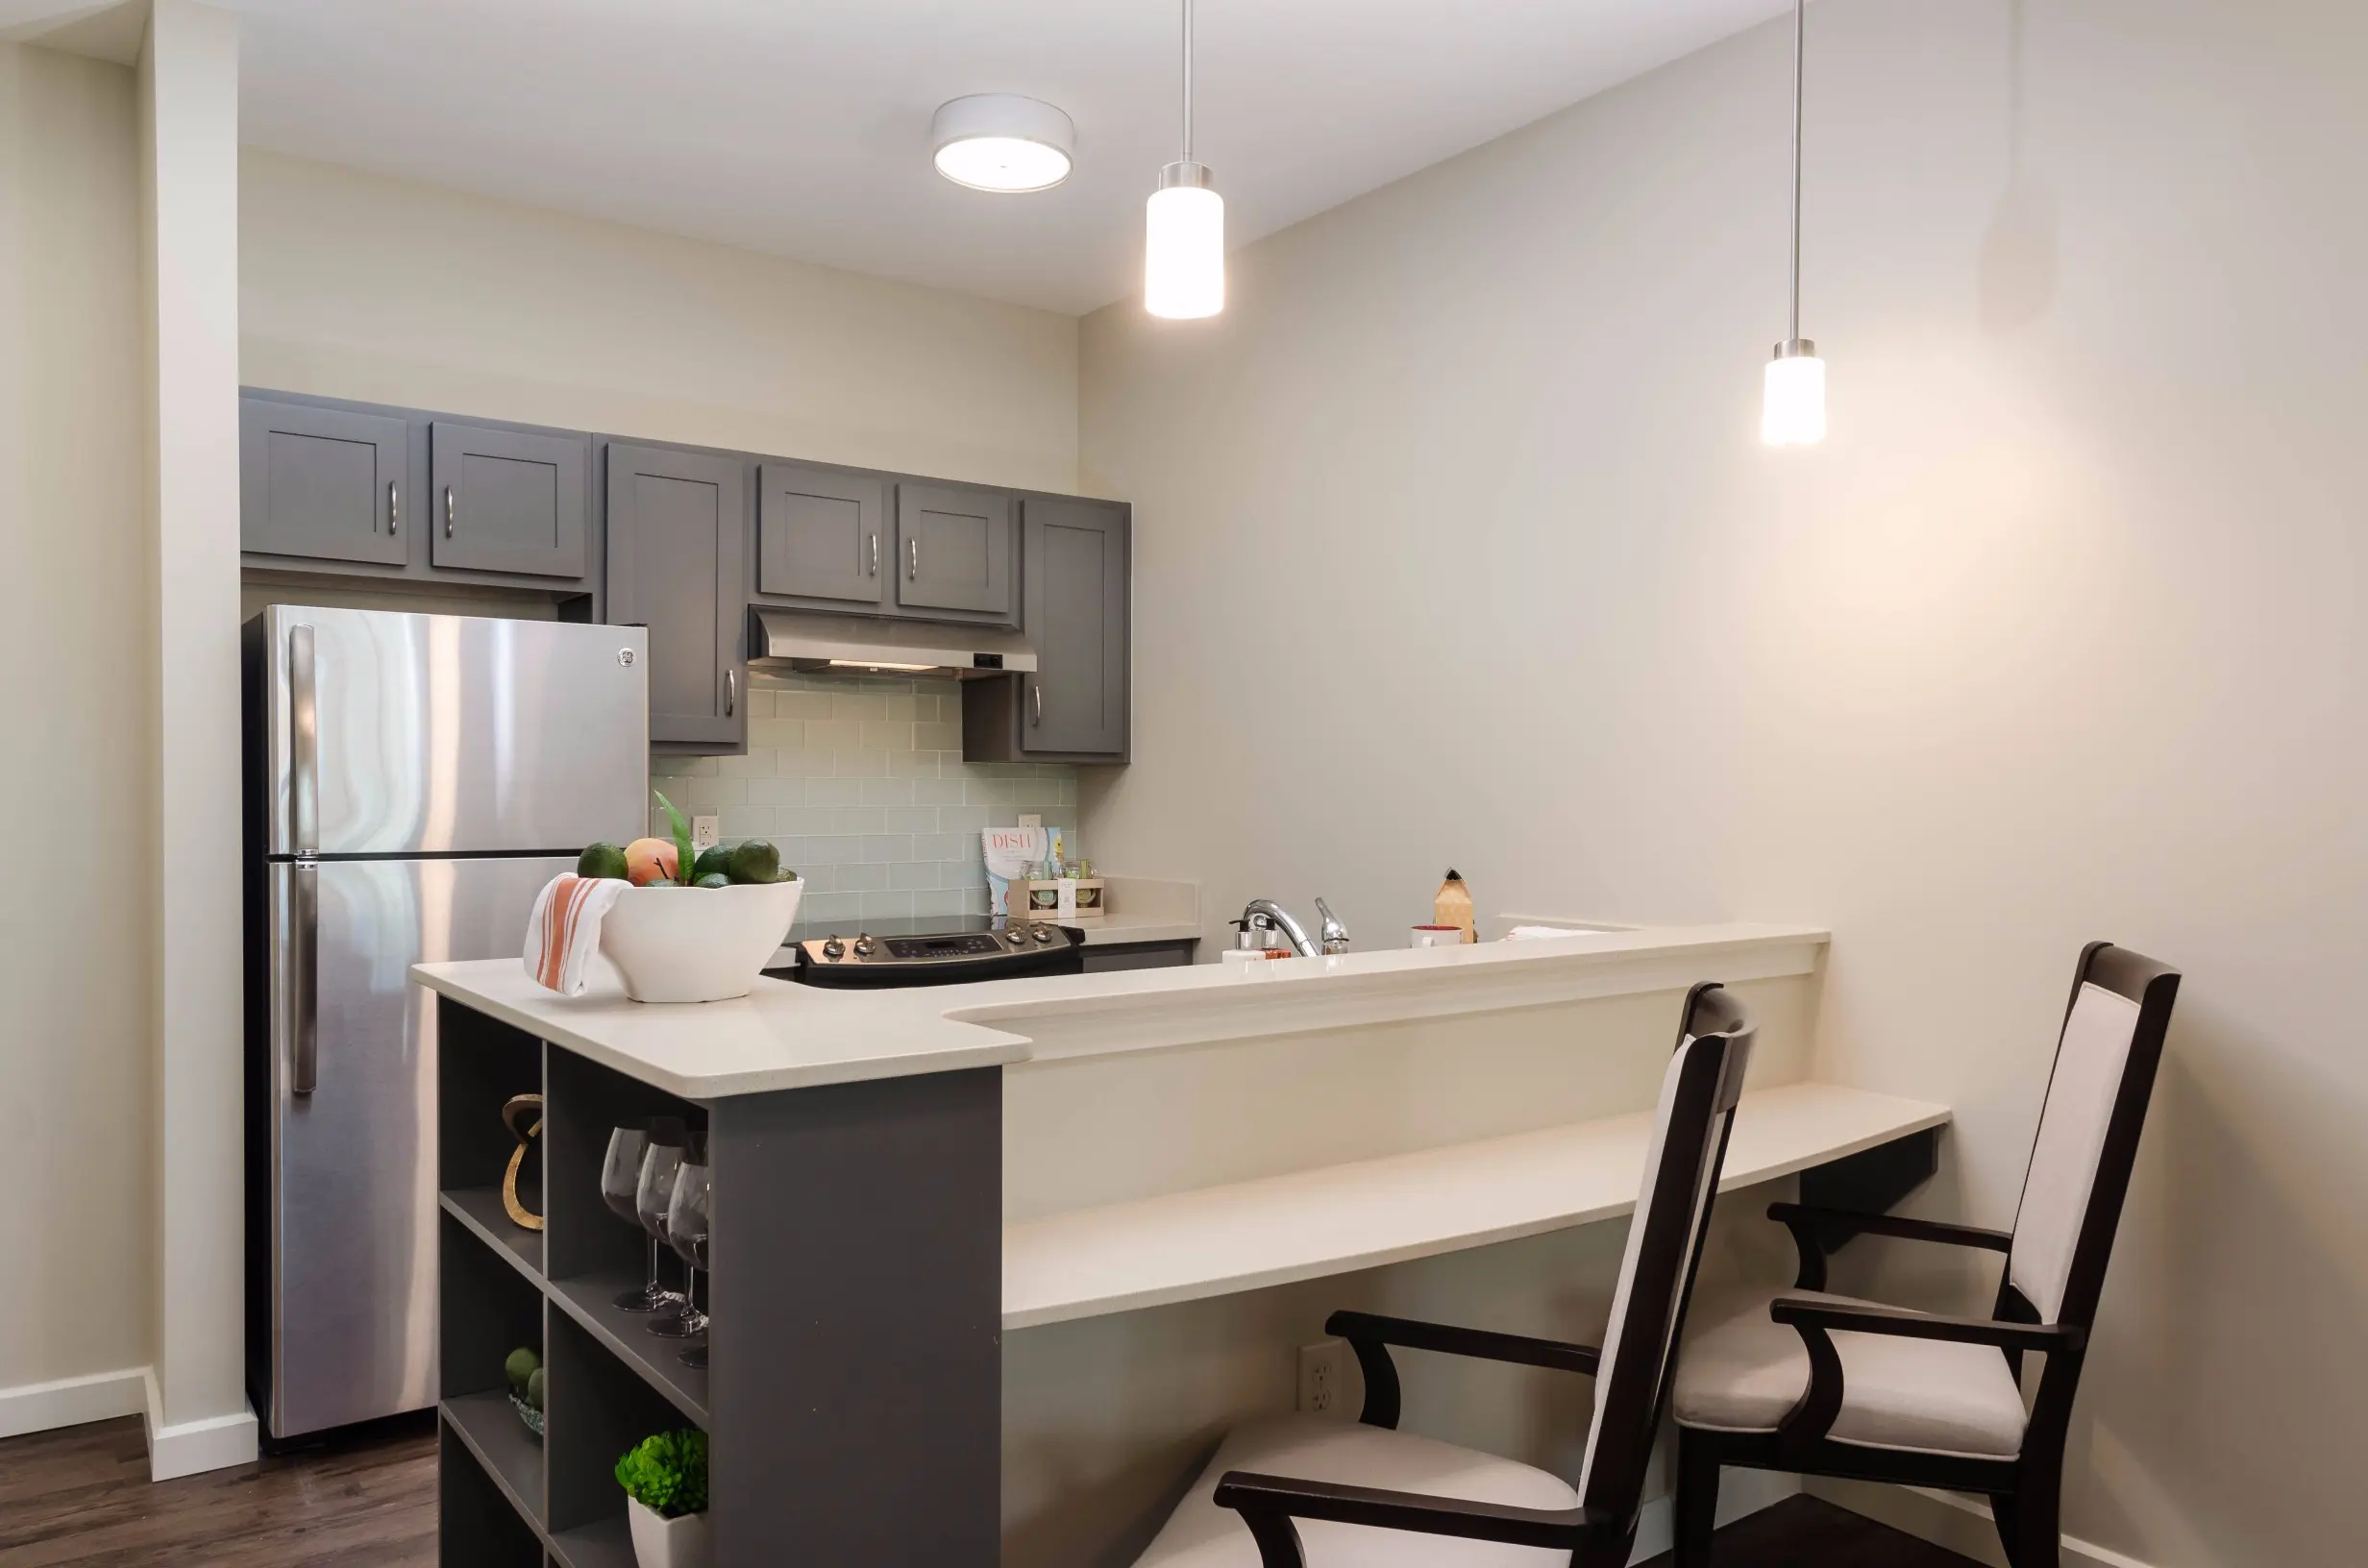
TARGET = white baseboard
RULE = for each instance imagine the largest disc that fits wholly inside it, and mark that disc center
(1962, 1524)
(1740, 1492)
(215, 1442)
(70, 1402)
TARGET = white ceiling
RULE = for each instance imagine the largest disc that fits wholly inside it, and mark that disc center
(800, 127)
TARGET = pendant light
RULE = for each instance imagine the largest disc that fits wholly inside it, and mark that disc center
(1184, 226)
(1792, 412)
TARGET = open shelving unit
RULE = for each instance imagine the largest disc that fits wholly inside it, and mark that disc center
(861, 1417)
(510, 1496)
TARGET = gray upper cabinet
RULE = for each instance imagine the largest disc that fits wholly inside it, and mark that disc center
(1076, 616)
(322, 483)
(675, 547)
(508, 501)
(953, 551)
(1074, 707)
(821, 535)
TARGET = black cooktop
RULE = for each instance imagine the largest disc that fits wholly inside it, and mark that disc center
(918, 926)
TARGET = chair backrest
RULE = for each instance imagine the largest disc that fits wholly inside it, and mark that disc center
(1664, 1247)
(2104, 1076)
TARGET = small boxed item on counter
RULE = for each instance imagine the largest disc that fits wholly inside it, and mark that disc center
(1071, 900)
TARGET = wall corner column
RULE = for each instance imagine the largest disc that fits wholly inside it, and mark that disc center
(197, 1412)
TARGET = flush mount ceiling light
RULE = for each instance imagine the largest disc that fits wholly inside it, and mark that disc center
(1184, 226)
(1792, 409)
(1000, 141)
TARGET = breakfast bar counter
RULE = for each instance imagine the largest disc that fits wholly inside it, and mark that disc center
(905, 1177)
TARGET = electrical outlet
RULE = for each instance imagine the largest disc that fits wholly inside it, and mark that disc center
(705, 833)
(1323, 1376)
(1030, 818)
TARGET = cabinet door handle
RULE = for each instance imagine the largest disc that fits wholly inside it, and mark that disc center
(448, 512)
(731, 692)
(876, 555)
(912, 570)
(1038, 691)
(394, 510)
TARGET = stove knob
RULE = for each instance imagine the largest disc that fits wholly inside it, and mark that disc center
(834, 948)
(1043, 933)
(865, 947)
(1015, 936)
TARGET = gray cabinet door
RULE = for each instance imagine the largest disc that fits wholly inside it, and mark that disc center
(507, 500)
(323, 483)
(1077, 573)
(819, 534)
(953, 551)
(676, 545)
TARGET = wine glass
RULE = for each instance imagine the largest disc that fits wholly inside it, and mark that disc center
(654, 1191)
(688, 1219)
(620, 1181)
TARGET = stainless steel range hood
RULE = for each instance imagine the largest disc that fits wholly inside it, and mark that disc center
(805, 640)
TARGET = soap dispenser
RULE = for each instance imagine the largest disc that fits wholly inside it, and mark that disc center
(1453, 905)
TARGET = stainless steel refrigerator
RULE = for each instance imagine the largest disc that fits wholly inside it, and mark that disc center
(411, 782)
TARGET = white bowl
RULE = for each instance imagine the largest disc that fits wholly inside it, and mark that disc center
(674, 944)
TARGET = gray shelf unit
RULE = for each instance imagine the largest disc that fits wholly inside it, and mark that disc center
(855, 1405)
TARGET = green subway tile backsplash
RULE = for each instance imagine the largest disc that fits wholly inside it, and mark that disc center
(860, 781)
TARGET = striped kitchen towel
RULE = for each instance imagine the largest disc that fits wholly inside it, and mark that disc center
(564, 931)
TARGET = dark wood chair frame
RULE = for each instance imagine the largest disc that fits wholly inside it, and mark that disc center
(1598, 1532)
(2026, 1491)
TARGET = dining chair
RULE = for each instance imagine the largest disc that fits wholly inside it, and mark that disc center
(1826, 1384)
(1373, 1497)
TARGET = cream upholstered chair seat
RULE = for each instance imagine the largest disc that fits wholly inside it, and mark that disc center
(1200, 1535)
(1928, 1396)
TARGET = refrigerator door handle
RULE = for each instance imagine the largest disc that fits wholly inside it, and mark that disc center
(304, 958)
(303, 741)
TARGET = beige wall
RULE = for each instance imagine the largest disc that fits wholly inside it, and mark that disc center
(74, 964)
(357, 285)
(2060, 635)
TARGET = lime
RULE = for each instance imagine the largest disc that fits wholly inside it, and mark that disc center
(601, 860)
(523, 1364)
(755, 860)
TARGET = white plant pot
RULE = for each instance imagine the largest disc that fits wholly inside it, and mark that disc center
(670, 1543)
(696, 945)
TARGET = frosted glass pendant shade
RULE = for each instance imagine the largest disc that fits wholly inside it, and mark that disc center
(1792, 412)
(1184, 245)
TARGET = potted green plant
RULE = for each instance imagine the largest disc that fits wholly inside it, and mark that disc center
(665, 1479)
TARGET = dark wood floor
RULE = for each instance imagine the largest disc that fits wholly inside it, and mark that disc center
(82, 1496)
(1807, 1532)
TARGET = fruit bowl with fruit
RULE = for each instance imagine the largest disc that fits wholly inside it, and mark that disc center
(701, 936)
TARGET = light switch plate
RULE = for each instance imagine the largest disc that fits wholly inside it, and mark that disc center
(705, 833)
(1029, 818)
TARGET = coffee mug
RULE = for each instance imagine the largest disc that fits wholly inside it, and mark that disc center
(1436, 936)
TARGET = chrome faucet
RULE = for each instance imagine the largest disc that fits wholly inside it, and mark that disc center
(1267, 913)
(1335, 936)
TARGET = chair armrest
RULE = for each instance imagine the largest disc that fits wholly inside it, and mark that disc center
(1857, 1317)
(1269, 1504)
(1809, 1420)
(1370, 1336)
(1811, 1226)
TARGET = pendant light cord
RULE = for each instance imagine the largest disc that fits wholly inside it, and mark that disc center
(1188, 81)
(1800, 16)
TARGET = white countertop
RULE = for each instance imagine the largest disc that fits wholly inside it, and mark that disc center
(785, 1036)
(1245, 1236)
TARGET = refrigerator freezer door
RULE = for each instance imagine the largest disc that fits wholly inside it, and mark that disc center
(435, 734)
(353, 1162)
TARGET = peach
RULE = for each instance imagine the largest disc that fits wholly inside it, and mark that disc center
(651, 860)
